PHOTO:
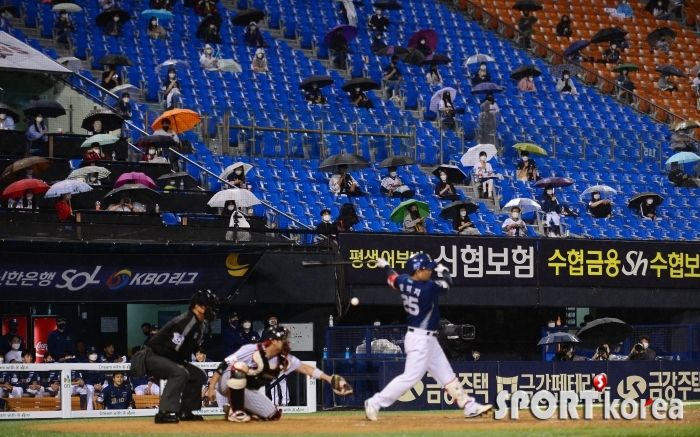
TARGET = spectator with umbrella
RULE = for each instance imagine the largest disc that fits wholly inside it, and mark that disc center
(392, 78)
(125, 204)
(311, 86)
(550, 206)
(526, 75)
(445, 189)
(37, 131)
(205, 8)
(377, 44)
(208, 31)
(433, 77)
(484, 175)
(564, 27)
(110, 78)
(236, 174)
(413, 220)
(259, 63)
(680, 141)
(659, 9)
(25, 168)
(625, 9)
(64, 208)
(379, 22)
(359, 99)
(611, 55)
(393, 186)
(422, 46)
(167, 130)
(344, 183)
(94, 153)
(625, 85)
(458, 212)
(665, 83)
(63, 27)
(208, 61)
(646, 204)
(124, 106)
(7, 117)
(481, 76)
(514, 226)
(565, 84)
(24, 191)
(154, 31)
(64, 190)
(488, 120)
(171, 88)
(598, 206)
(678, 178)
(525, 24)
(339, 44)
(253, 37)
(526, 168)
(114, 27)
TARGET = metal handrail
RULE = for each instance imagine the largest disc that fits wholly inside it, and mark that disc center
(672, 119)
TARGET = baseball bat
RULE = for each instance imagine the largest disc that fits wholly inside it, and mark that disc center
(308, 264)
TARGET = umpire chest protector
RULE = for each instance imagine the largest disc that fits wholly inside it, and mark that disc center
(267, 374)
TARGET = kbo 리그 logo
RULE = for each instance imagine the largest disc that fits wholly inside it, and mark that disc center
(118, 279)
(628, 409)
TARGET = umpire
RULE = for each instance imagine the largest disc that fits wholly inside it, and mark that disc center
(167, 356)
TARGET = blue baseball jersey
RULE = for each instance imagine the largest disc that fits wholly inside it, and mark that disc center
(116, 398)
(420, 300)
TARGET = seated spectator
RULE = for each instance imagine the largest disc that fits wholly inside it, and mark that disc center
(347, 218)
(315, 96)
(662, 45)
(94, 153)
(253, 37)
(149, 388)
(447, 109)
(660, 10)
(154, 31)
(481, 76)
(237, 177)
(37, 131)
(514, 226)
(204, 8)
(444, 189)
(6, 122)
(641, 350)
(392, 186)
(106, 5)
(110, 78)
(463, 224)
(260, 62)
(64, 210)
(680, 142)
(96, 128)
(695, 85)
(379, 21)
(665, 84)
(171, 88)
(679, 179)
(126, 205)
(550, 206)
(525, 24)
(599, 208)
(527, 84)
(433, 77)
(207, 61)
(157, 158)
(413, 222)
(565, 84)
(124, 107)
(210, 34)
(15, 354)
(109, 356)
(359, 99)
(393, 78)
(625, 9)
(117, 395)
(200, 356)
(377, 43)
(612, 55)
(339, 45)
(10, 385)
(488, 121)
(344, 183)
(526, 168)
(27, 201)
(114, 27)
(626, 86)
(564, 26)
(648, 209)
(326, 225)
(423, 47)
(63, 27)
(484, 173)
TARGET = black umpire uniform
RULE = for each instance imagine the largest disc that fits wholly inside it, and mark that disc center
(167, 356)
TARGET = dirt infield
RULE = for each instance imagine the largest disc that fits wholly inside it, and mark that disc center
(419, 423)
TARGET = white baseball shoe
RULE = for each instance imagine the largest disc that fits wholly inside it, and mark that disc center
(370, 412)
(477, 410)
(238, 416)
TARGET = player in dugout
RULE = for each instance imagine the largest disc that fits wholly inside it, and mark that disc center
(253, 366)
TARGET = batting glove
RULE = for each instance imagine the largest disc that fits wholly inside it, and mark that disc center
(440, 268)
(381, 263)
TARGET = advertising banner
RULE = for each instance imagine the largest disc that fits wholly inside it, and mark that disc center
(42, 327)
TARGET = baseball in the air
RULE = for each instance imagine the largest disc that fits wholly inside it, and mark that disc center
(355, 301)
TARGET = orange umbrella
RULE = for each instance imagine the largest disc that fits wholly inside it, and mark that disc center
(181, 120)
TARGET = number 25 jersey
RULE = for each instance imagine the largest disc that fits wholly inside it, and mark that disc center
(420, 300)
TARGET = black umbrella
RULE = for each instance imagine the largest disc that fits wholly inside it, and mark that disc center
(454, 173)
(670, 69)
(558, 337)
(10, 9)
(639, 198)
(525, 71)
(364, 83)
(9, 111)
(388, 5)
(604, 331)
(397, 161)
(656, 35)
(354, 163)
(136, 191)
(527, 5)
(436, 59)
(110, 120)
(161, 141)
(392, 50)
(412, 57)
(107, 16)
(116, 60)
(452, 210)
(609, 34)
(246, 16)
(319, 80)
(212, 19)
(186, 178)
(47, 108)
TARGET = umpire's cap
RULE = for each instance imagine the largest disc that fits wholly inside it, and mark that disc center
(420, 261)
(275, 333)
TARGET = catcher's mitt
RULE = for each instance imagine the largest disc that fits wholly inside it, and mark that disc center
(340, 386)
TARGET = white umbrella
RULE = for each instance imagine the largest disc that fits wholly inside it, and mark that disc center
(68, 7)
(437, 97)
(471, 158)
(602, 189)
(479, 58)
(525, 205)
(84, 172)
(71, 186)
(71, 62)
(243, 198)
(126, 88)
(228, 65)
(228, 170)
(174, 63)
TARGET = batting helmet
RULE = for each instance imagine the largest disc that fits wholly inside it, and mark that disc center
(275, 333)
(420, 261)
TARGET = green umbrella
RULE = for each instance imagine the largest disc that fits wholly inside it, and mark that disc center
(532, 148)
(102, 139)
(629, 67)
(399, 213)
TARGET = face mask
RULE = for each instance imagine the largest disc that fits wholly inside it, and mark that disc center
(443, 178)
(357, 90)
(422, 41)
(116, 18)
(482, 68)
(377, 323)
(239, 172)
(171, 75)
(154, 22)
(490, 99)
(525, 158)
(252, 28)
(234, 322)
(482, 158)
(551, 325)
(166, 127)
(2, 116)
(530, 79)
(613, 46)
(550, 192)
(326, 218)
(650, 201)
(566, 76)
(392, 174)
(463, 213)
(62, 325)
(30, 196)
(92, 357)
(15, 346)
(152, 151)
(260, 55)
(246, 325)
(96, 151)
(126, 100)
(515, 215)
(314, 86)
(596, 196)
(230, 207)
(39, 119)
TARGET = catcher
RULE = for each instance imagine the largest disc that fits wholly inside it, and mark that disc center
(253, 366)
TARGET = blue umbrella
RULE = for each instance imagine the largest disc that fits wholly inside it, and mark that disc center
(349, 33)
(683, 158)
(487, 88)
(160, 14)
(69, 186)
(578, 45)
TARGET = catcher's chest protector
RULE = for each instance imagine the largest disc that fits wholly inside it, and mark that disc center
(267, 375)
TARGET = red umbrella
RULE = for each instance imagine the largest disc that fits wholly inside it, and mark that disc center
(135, 177)
(17, 189)
(431, 38)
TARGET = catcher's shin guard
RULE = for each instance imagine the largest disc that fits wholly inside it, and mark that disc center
(454, 389)
(236, 390)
